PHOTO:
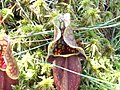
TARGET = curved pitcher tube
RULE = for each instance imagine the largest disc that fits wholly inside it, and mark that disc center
(65, 52)
(7, 60)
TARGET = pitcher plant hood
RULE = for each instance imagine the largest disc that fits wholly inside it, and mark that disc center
(62, 30)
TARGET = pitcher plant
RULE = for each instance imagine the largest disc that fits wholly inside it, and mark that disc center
(9, 71)
(65, 52)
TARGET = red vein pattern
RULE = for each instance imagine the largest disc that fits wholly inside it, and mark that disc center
(65, 52)
(9, 71)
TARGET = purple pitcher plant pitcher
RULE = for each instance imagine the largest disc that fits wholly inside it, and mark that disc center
(9, 71)
(65, 52)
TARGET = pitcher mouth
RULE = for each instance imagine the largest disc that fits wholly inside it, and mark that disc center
(3, 48)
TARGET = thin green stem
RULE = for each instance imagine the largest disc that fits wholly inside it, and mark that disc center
(32, 34)
(92, 78)
(33, 41)
(24, 12)
(2, 4)
(86, 76)
(112, 19)
(97, 27)
(19, 53)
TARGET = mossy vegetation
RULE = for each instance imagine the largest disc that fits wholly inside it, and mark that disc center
(95, 24)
